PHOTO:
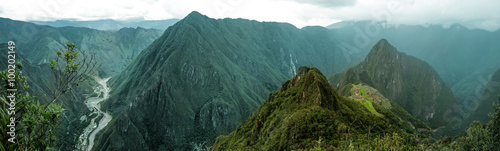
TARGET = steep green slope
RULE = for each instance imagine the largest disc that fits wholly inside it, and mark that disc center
(36, 44)
(444, 48)
(404, 80)
(306, 109)
(483, 105)
(114, 49)
(206, 76)
(41, 81)
(365, 95)
(464, 58)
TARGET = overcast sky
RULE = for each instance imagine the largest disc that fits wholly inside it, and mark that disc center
(483, 14)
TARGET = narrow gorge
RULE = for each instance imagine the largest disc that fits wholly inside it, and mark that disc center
(86, 139)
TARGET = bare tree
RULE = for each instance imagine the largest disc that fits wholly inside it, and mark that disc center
(69, 70)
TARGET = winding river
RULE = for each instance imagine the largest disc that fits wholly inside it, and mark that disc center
(86, 139)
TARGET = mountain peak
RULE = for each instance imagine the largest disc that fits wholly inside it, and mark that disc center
(313, 87)
(195, 19)
(195, 15)
(383, 45)
(382, 50)
(382, 41)
(395, 75)
(301, 111)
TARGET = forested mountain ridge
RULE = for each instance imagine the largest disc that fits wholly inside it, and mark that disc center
(482, 106)
(463, 57)
(206, 76)
(405, 80)
(306, 112)
(114, 49)
(180, 88)
(36, 44)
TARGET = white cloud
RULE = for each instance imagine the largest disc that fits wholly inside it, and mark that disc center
(328, 3)
(482, 14)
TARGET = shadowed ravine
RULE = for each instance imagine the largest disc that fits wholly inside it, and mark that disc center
(92, 103)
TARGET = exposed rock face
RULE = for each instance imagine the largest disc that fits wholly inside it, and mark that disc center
(203, 77)
(409, 82)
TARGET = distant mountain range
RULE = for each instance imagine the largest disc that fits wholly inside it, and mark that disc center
(464, 58)
(36, 44)
(115, 48)
(206, 76)
(109, 24)
(180, 88)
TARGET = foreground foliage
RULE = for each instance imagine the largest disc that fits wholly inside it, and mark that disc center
(35, 123)
(70, 70)
(481, 136)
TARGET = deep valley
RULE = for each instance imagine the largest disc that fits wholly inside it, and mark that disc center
(201, 83)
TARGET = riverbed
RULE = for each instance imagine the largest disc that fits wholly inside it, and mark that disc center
(86, 139)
